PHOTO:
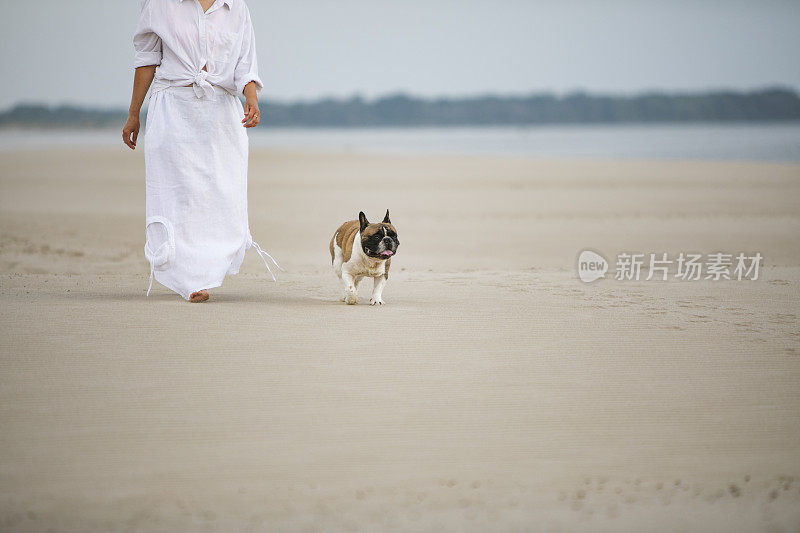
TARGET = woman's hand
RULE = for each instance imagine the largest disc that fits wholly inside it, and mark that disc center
(131, 131)
(252, 115)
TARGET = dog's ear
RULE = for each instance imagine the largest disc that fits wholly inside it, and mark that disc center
(386, 218)
(362, 219)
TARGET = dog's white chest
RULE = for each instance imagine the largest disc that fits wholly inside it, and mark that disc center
(373, 269)
(361, 265)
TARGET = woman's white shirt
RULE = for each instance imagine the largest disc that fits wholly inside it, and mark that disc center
(178, 37)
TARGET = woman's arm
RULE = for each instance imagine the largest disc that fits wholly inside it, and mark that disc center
(141, 84)
(245, 75)
(252, 115)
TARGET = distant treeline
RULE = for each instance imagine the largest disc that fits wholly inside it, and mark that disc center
(775, 104)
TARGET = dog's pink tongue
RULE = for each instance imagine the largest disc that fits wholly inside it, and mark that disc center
(387, 253)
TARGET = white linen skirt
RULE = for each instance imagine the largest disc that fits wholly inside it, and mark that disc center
(196, 151)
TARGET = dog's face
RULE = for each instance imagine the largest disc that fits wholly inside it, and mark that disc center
(378, 241)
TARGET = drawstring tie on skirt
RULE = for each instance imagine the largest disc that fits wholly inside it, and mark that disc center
(152, 273)
(261, 253)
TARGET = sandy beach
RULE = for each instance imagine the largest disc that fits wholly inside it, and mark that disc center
(494, 392)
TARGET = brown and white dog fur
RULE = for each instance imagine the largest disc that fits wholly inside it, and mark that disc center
(359, 250)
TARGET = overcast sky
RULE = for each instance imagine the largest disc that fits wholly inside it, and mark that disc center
(80, 51)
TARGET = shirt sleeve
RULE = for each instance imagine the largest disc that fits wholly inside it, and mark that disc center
(145, 42)
(247, 63)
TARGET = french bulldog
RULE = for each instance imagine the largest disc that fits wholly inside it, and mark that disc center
(360, 249)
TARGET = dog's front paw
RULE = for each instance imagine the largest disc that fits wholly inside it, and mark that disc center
(351, 298)
(376, 301)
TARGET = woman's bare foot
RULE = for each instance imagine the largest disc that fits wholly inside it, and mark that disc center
(199, 296)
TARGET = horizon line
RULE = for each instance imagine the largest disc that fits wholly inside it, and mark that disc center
(357, 96)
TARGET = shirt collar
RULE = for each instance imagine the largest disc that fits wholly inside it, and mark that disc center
(226, 2)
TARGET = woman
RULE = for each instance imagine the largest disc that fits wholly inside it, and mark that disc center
(198, 55)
